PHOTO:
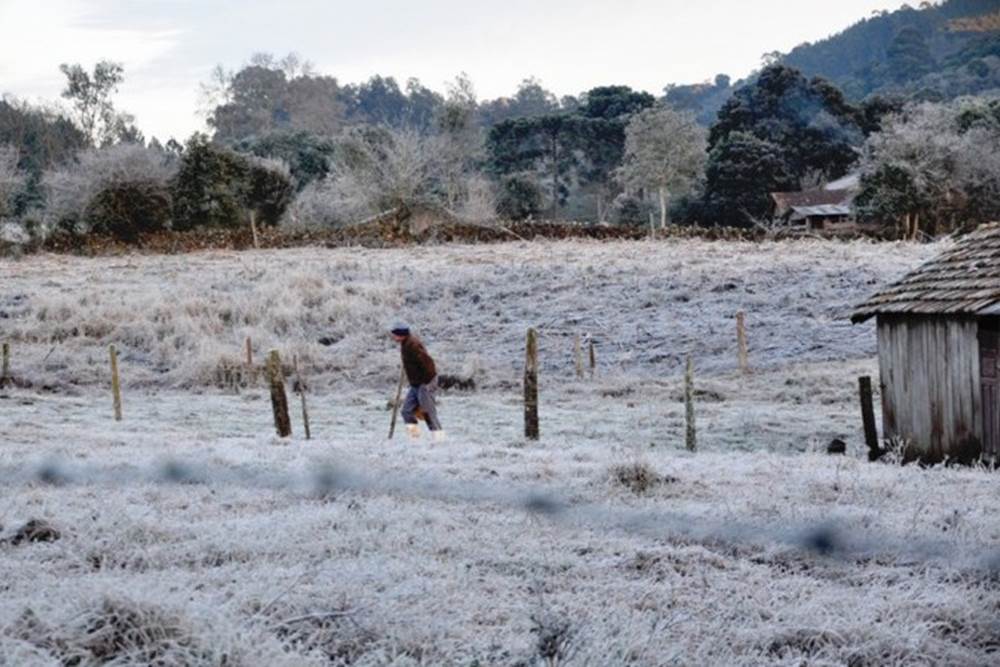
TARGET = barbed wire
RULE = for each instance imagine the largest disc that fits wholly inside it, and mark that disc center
(827, 538)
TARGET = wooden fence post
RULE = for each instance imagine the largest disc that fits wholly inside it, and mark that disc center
(5, 377)
(690, 436)
(395, 403)
(578, 357)
(868, 415)
(251, 372)
(302, 395)
(593, 359)
(116, 387)
(253, 229)
(279, 399)
(741, 342)
(531, 386)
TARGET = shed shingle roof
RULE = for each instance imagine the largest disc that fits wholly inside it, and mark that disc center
(786, 200)
(964, 280)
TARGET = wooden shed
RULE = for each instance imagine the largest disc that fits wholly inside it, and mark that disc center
(939, 352)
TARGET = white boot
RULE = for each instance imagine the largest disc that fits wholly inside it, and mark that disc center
(413, 430)
(438, 436)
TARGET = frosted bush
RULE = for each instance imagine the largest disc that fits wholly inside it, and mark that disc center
(72, 188)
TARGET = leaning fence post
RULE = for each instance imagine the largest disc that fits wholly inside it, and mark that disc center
(578, 356)
(302, 395)
(741, 342)
(253, 229)
(116, 388)
(531, 386)
(279, 399)
(395, 403)
(5, 377)
(593, 359)
(690, 438)
(868, 415)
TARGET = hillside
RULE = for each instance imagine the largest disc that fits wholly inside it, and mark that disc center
(930, 53)
(934, 53)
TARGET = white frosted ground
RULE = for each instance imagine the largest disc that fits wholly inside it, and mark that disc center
(437, 561)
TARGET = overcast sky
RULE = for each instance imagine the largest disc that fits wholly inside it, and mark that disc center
(169, 46)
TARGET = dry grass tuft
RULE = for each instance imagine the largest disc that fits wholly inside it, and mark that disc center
(118, 631)
(638, 477)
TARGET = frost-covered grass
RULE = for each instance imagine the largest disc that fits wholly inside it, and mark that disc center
(433, 558)
(179, 320)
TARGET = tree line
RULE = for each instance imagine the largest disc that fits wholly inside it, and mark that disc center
(292, 146)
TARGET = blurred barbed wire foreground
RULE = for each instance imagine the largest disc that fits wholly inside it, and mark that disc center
(827, 538)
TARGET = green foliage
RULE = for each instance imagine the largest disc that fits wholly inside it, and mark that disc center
(266, 191)
(742, 170)
(309, 157)
(543, 144)
(519, 198)
(908, 51)
(205, 190)
(614, 102)
(887, 194)
(42, 139)
(216, 187)
(530, 100)
(908, 56)
(381, 101)
(791, 129)
(562, 148)
(630, 210)
(127, 209)
(701, 99)
(812, 124)
(269, 95)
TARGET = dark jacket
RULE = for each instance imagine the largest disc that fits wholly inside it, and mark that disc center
(418, 364)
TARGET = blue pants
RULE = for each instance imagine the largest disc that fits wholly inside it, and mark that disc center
(420, 399)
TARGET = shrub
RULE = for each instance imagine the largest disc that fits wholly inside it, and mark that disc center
(205, 190)
(107, 181)
(216, 187)
(630, 210)
(308, 156)
(267, 189)
(519, 198)
(127, 209)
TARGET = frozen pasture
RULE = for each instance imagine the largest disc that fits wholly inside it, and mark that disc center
(189, 534)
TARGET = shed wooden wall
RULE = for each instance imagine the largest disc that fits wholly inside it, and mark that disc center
(930, 379)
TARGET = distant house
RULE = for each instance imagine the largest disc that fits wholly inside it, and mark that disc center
(826, 209)
(939, 352)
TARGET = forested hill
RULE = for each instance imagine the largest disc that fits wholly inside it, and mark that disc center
(939, 51)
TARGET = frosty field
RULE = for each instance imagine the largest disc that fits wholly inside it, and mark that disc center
(190, 534)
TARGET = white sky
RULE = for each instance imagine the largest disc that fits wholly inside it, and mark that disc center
(169, 46)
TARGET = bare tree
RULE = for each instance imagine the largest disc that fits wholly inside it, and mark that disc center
(460, 142)
(386, 172)
(90, 94)
(664, 153)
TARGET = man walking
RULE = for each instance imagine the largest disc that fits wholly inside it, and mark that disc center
(422, 376)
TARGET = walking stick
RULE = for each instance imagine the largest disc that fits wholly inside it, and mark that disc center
(395, 405)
